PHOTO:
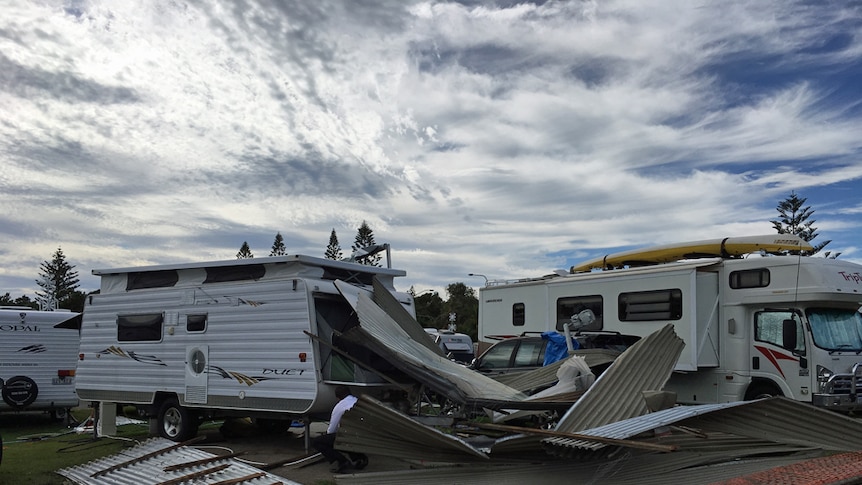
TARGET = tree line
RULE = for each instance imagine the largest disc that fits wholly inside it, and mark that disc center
(59, 286)
(364, 238)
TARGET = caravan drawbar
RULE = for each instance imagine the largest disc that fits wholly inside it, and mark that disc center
(780, 324)
(246, 337)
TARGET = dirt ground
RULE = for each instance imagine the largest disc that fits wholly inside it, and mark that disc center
(266, 449)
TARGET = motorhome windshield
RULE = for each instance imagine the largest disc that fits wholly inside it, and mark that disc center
(836, 329)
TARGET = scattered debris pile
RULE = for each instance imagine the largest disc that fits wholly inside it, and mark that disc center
(621, 430)
(163, 462)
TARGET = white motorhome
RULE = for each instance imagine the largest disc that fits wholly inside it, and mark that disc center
(245, 337)
(38, 353)
(753, 326)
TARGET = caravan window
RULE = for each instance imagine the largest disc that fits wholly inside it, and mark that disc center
(196, 323)
(151, 279)
(221, 274)
(645, 306)
(519, 315)
(570, 306)
(140, 328)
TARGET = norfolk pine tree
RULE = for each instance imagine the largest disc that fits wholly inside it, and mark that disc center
(278, 248)
(365, 238)
(795, 220)
(333, 250)
(58, 280)
(244, 251)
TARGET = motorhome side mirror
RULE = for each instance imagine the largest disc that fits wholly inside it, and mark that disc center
(587, 317)
(788, 332)
(584, 318)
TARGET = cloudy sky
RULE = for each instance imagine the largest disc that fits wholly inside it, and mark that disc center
(502, 138)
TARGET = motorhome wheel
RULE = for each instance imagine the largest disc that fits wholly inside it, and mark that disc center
(176, 423)
(762, 390)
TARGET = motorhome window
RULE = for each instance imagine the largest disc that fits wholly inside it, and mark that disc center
(646, 306)
(769, 328)
(837, 329)
(751, 278)
(140, 328)
(519, 317)
(571, 306)
(196, 323)
(151, 279)
(221, 274)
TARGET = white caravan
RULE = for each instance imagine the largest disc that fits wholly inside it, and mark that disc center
(456, 346)
(38, 353)
(753, 326)
(245, 337)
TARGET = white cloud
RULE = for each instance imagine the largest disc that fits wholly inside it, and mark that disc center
(505, 141)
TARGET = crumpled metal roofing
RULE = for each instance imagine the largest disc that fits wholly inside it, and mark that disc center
(618, 392)
(389, 304)
(626, 469)
(387, 338)
(784, 420)
(776, 419)
(146, 464)
(372, 427)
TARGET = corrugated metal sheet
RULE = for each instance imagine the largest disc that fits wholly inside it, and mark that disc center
(387, 301)
(640, 424)
(388, 339)
(372, 427)
(784, 420)
(777, 419)
(618, 393)
(687, 468)
(145, 464)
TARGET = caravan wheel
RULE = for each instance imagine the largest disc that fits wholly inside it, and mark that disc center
(176, 423)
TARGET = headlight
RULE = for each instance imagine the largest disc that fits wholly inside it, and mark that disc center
(823, 374)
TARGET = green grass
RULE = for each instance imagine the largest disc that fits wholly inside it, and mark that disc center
(34, 447)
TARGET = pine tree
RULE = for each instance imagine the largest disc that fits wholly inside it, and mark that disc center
(333, 250)
(795, 220)
(58, 280)
(278, 248)
(244, 251)
(365, 238)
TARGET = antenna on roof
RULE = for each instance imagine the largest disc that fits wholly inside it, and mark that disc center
(367, 251)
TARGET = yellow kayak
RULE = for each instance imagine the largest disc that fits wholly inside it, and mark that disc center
(718, 248)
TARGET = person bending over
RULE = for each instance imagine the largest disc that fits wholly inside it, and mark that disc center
(325, 443)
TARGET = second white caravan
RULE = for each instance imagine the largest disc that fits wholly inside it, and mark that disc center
(38, 353)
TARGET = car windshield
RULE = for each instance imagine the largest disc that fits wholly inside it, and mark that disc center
(836, 329)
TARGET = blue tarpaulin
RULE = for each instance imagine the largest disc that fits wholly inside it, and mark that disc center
(557, 349)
